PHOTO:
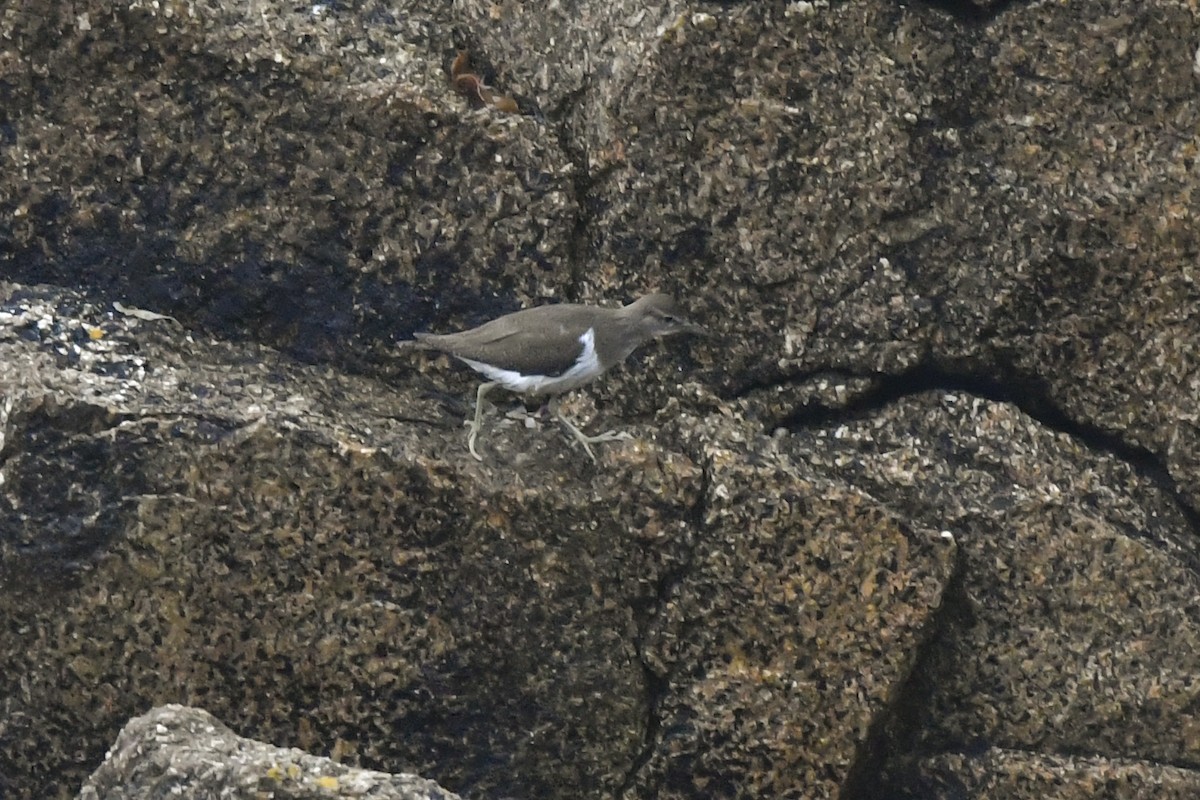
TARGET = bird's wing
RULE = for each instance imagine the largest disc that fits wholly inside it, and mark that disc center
(513, 343)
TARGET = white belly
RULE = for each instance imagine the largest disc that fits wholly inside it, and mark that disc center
(587, 368)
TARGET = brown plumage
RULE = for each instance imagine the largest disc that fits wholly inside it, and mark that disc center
(553, 349)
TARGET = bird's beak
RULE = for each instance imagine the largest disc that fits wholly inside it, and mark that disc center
(694, 329)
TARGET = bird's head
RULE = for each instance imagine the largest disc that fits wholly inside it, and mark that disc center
(657, 315)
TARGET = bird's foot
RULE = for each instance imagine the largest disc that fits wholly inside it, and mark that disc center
(477, 422)
(609, 436)
(588, 441)
(472, 435)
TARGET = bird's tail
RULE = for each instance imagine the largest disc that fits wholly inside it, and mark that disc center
(416, 343)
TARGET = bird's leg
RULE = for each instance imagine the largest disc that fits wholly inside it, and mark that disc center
(582, 437)
(484, 388)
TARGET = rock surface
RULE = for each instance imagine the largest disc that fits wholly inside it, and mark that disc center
(1009, 774)
(295, 551)
(921, 520)
(183, 752)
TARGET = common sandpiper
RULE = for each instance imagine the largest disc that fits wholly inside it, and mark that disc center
(552, 349)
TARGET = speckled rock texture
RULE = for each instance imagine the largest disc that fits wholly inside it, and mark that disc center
(176, 751)
(1012, 775)
(1050, 642)
(316, 559)
(920, 520)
